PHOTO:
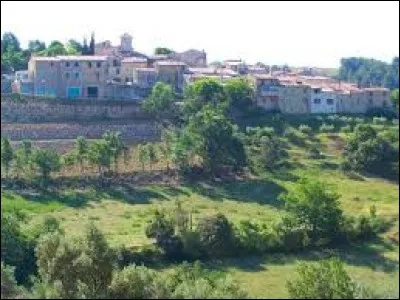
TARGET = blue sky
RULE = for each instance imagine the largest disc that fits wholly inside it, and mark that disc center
(296, 33)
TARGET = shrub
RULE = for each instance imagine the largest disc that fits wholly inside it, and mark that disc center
(292, 235)
(294, 136)
(379, 120)
(346, 129)
(162, 230)
(9, 287)
(315, 153)
(327, 128)
(216, 235)
(317, 209)
(253, 237)
(327, 280)
(305, 129)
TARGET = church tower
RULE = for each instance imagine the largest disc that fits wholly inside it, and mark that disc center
(126, 43)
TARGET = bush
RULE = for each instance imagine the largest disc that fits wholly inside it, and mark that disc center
(346, 129)
(255, 238)
(294, 136)
(216, 235)
(327, 280)
(317, 208)
(292, 235)
(379, 120)
(305, 129)
(326, 128)
(9, 287)
(315, 153)
(162, 230)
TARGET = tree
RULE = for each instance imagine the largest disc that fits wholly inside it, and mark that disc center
(327, 280)
(47, 161)
(239, 93)
(116, 146)
(85, 47)
(55, 48)
(395, 98)
(151, 154)
(81, 151)
(216, 235)
(317, 209)
(162, 50)
(160, 102)
(142, 152)
(212, 138)
(100, 155)
(162, 230)
(165, 148)
(202, 92)
(36, 46)
(271, 152)
(7, 154)
(9, 287)
(73, 47)
(91, 44)
(76, 270)
(365, 150)
(10, 42)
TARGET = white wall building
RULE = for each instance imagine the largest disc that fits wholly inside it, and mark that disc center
(323, 101)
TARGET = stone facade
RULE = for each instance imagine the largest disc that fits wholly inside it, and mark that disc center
(18, 132)
(34, 110)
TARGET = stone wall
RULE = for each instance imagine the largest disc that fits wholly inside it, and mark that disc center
(29, 110)
(132, 131)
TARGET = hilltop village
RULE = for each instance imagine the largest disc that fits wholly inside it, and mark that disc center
(122, 73)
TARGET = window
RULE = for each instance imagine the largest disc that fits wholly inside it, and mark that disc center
(316, 91)
(370, 101)
(106, 71)
(97, 76)
(98, 64)
(76, 64)
(117, 71)
(67, 63)
(89, 64)
(371, 94)
(126, 79)
(77, 75)
(51, 64)
(67, 75)
(317, 101)
(329, 101)
(115, 63)
(384, 103)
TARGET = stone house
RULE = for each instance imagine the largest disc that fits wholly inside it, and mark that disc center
(171, 72)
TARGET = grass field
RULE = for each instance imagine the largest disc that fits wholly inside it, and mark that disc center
(122, 210)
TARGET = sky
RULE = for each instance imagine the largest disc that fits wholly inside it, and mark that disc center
(296, 33)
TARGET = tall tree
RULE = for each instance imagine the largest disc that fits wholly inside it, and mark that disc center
(10, 42)
(73, 47)
(7, 154)
(85, 47)
(36, 46)
(92, 44)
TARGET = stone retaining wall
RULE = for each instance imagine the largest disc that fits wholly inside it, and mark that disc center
(30, 110)
(132, 131)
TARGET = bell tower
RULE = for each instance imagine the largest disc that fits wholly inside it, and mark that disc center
(126, 43)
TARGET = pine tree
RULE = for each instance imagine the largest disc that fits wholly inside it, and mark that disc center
(85, 48)
(91, 45)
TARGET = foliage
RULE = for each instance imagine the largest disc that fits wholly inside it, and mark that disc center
(151, 154)
(100, 155)
(7, 154)
(395, 98)
(327, 280)
(76, 270)
(211, 137)
(142, 153)
(162, 230)
(366, 150)
(239, 93)
(46, 161)
(305, 129)
(327, 128)
(115, 145)
(160, 102)
(317, 209)
(16, 248)
(162, 50)
(9, 287)
(271, 152)
(366, 72)
(81, 150)
(216, 235)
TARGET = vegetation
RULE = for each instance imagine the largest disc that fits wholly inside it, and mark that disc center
(370, 72)
(247, 198)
